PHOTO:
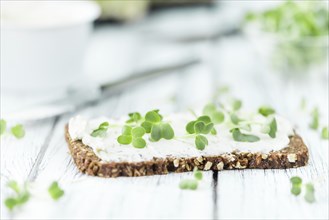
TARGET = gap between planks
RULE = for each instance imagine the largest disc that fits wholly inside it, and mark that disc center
(35, 168)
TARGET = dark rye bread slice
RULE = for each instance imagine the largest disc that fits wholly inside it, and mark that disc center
(295, 155)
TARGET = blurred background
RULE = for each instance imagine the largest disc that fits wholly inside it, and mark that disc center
(49, 48)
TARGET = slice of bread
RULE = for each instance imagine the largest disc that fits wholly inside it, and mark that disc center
(294, 155)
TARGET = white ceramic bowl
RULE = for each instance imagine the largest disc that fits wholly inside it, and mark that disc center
(43, 44)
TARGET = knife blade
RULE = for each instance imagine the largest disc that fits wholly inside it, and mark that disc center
(78, 99)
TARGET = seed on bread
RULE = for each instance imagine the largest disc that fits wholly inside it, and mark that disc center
(292, 158)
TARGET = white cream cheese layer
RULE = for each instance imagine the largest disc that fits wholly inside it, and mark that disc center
(108, 149)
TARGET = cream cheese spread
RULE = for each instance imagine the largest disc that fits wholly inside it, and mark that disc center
(108, 149)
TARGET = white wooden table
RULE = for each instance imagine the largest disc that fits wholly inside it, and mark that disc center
(42, 156)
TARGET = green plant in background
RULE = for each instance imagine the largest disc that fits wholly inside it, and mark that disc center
(301, 27)
(294, 19)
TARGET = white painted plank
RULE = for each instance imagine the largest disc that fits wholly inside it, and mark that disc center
(18, 157)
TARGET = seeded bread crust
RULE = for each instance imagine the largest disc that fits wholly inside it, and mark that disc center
(295, 155)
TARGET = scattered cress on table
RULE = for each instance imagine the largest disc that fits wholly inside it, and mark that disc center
(21, 194)
(297, 187)
(325, 133)
(18, 130)
(191, 184)
(55, 191)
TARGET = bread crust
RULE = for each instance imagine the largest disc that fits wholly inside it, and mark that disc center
(294, 155)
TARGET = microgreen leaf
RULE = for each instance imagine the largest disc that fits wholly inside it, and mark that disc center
(325, 133)
(199, 126)
(206, 119)
(139, 142)
(216, 117)
(55, 191)
(10, 203)
(134, 117)
(190, 127)
(147, 126)
(236, 104)
(157, 127)
(273, 128)
(138, 132)
(309, 194)
(315, 119)
(240, 137)
(184, 184)
(213, 131)
(193, 185)
(124, 139)
(266, 111)
(14, 186)
(197, 174)
(202, 125)
(3, 126)
(153, 117)
(201, 142)
(190, 184)
(309, 197)
(132, 136)
(18, 131)
(296, 180)
(296, 190)
(156, 132)
(21, 196)
(208, 128)
(167, 131)
(309, 187)
(235, 119)
(126, 130)
(101, 130)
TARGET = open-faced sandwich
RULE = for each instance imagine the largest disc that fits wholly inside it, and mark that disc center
(153, 144)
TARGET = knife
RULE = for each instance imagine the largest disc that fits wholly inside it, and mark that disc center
(79, 98)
